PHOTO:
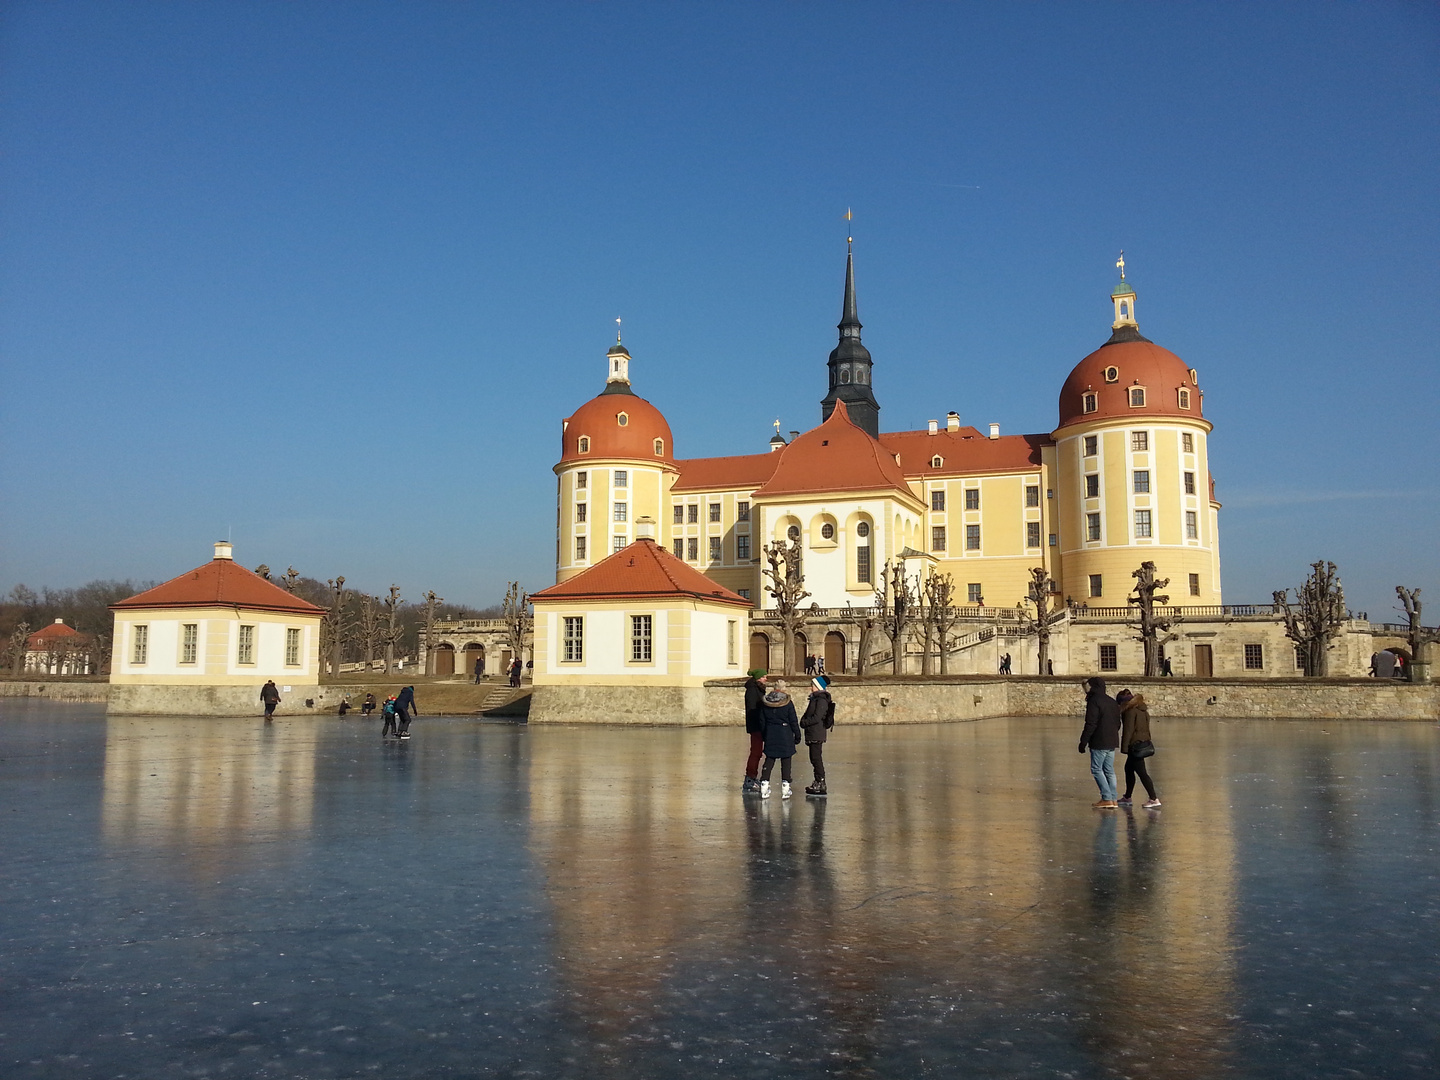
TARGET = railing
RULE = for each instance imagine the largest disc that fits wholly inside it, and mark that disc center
(461, 626)
(962, 613)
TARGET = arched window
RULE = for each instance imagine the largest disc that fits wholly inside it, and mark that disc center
(1124, 310)
(844, 375)
(659, 447)
(584, 444)
(937, 461)
(793, 532)
(1137, 397)
(860, 375)
(1091, 403)
(1184, 399)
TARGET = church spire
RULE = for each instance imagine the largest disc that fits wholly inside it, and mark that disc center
(850, 362)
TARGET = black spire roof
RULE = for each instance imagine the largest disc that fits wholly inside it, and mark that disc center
(850, 363)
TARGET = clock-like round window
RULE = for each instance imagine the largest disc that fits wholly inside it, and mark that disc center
(623, 419)
(863, 529)
(827, 531)
(793, 532)
(1112, 374)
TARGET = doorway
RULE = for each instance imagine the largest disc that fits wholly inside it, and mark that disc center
(759, 652)
(1204, 662)
(835, 653)
(444, 659)
(474, 651)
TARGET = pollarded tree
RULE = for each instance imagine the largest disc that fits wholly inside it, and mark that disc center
(940, 606)
(368, 627)
(1154, 630)
(786, 585)
(335, 624)
(1317, 617)
(431, 602)
(1418, 636)
(393, 630)
(895, 603)
(519, 620)
(1038, 592)
(16, 648)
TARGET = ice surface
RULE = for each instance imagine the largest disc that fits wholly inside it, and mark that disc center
(228, 898)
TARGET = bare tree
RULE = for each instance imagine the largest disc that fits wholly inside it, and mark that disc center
(1039, 591)
(335, 624)
(895, 602)
(786, 584)
(519, 620)
(289, 581)
(1154, 630)
(263, 570)
(940, 602)
(368, 627)
(392, 631)
(1320, 614)
(864, 623)
(16, 648)
(431, 601)
(1418, 637)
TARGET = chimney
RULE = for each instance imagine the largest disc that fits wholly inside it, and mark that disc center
(223, 550)
(645, 528)
(59, 622)
(952, 421)
(794, 435)
(934, 427)
(994, 431)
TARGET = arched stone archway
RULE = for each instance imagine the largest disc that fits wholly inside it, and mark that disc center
(798, 653)
(444, 658)
(472, 652)
(835, 653)
(759, 651)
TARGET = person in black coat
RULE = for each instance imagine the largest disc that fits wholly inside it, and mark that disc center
(782, 735)
(1101, 737)
(819, 718)
(754, 727)
(404, 708)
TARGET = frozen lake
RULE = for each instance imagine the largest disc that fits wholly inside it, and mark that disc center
(186, 898)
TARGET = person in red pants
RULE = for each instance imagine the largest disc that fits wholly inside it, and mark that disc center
(755, 728)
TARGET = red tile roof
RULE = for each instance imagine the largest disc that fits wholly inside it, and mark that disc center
(54, 633)
(1136, 363)
(220, 583)
(964, 451)
(643, 570)
(748, 471)
(837, 456)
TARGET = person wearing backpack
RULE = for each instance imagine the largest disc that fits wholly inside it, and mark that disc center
(819, 718)
(388, 712)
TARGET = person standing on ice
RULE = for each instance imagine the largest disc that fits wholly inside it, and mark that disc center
(755, 729)
(819, 718)
(782, 735)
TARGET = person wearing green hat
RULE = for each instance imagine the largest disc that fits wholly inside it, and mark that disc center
(755, 728)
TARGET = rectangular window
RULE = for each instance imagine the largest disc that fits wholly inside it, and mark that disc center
(972, 537)
(581, 479)
(973, 594)
(731, 633)
(1137, 397)
(1142, 481)
(1139, 440)
(679, 548)
(745, 593)
(1189, 483)
(714, 549)
(1032, 495)
(622, 511)
(292, 646)
(742, 510)
(937, 499)
(1092, 486)
(1096, 585)
(862, 564)
(693, 513)
(622, 478)
(1187, 442)
(245, 651)
(1054, 539)
(714, 511)
(579, 549)
(1184, 399)
(1192, 526)
(742, 548)
(1299, 658)
(1109, 658)
(581, 509)
(574, 640)
(1194, 584)
(937, 538)
(692, 546)
(679, 514)
(1032, 534)
(1142, 523)
(640, 639)
(189, 642)
(1254, 658)
(140, 650)
(972, 498)
(617, 544)
(1092, 526)
(1092, 445)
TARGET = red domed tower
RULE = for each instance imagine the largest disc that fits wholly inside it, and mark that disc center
(617, 464)
(1133, 470)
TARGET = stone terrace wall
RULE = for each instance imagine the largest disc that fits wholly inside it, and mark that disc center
(59, 690)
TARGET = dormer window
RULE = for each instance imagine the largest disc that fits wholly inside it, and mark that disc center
(937, 461)
(622, 419)
(1091, 403)
(1137, 397)
(1184, 398)
(1194, 377)
(659, 447)
(584, 446)
(1112, 374)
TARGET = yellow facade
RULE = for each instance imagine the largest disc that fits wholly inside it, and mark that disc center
(615, 494)
(203, 646)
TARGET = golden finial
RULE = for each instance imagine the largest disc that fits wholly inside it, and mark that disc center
(777, 425)
(849, 216)
(617, 327)
(1120, 262)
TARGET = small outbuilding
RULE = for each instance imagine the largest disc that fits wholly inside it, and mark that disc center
(204, 643)
(58, 650)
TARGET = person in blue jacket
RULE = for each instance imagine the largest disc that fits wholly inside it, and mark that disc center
(782, 735)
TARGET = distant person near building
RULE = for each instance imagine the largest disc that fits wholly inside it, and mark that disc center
(368, 705)
(270, 696)
(1101, 736)
(404, 710)
(345, 705)
(782, 735)
(819, 718)
(479, 668)
(1136, 743)
(755, 729)
(515, 670)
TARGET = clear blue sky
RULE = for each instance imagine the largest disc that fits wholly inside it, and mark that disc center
(329, 275)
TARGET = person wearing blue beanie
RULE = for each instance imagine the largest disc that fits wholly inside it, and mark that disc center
(819, 718)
